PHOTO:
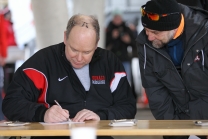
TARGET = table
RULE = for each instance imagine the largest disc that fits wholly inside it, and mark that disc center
(143, 128)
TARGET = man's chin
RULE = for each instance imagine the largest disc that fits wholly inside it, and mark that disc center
(77, 66)
(157, 45)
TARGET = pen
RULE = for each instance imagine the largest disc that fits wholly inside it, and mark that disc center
(57, 103)
(61, 107)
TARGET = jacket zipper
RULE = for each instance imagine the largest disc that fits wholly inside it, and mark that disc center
(85, 103)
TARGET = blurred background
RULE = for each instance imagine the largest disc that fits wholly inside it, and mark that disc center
(35, 24)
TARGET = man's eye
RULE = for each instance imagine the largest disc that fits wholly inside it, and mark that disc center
(156, 32)
(74, 50)
(87, 52)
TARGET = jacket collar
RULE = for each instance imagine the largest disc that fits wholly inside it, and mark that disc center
(96, 56)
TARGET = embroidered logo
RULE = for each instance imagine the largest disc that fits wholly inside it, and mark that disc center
(98, 79)
(197, 58)
(61, 79)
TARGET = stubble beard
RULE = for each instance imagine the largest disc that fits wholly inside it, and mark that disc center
(159, 43)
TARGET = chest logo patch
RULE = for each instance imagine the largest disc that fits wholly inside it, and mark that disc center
(197, 58)
(61, 79)
(98, 79)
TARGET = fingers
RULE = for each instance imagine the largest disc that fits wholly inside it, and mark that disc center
(56, 114)
(65, 113)
(85, 115)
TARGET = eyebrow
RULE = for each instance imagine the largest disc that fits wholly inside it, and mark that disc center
(77, 50)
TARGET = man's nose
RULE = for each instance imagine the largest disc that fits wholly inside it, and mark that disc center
(79, 56)
(151, 36)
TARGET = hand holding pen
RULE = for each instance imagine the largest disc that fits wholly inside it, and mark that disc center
(56, 114)
(61, 107)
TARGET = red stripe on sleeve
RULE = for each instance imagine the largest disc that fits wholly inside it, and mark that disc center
(40, 81)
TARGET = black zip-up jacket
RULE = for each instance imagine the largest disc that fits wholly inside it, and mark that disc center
(48, 76)
(171, 95)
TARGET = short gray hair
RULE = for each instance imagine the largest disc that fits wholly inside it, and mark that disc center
(89, 21)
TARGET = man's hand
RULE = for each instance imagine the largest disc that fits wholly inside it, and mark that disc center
(85, 115)
(56, 114)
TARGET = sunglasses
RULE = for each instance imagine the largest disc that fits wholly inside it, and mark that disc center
(154, 16)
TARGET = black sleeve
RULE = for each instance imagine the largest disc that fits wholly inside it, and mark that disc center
(21, 100)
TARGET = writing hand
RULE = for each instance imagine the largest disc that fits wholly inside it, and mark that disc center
(56, 114)
(85, 115)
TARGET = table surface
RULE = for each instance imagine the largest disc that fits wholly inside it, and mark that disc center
(143, 128)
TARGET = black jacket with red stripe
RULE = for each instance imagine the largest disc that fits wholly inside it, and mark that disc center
(48, 76)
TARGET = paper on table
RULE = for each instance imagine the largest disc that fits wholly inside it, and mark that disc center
(123, 122)
(59, 123)
(13, 123)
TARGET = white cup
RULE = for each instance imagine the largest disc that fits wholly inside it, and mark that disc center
(83, 133)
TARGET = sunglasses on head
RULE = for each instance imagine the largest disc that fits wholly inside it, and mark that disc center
(154, 16)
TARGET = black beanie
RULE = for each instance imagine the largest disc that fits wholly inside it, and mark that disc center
(166, 23)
